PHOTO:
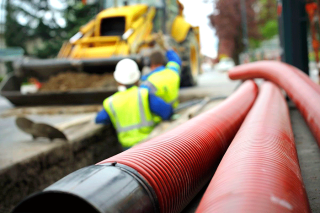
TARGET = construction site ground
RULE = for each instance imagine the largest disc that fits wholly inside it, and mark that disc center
(28, 165)
(67, 81)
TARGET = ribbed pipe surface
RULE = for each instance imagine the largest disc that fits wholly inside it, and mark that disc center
(260, 171)
(305, 77)
(304, 95)
(179, 163)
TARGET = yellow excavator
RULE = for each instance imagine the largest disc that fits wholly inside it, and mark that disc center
(124, 29)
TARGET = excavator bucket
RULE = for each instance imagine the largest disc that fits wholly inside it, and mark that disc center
(47, 67)
(42, 70)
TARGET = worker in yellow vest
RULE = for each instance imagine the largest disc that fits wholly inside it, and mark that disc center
(131, 109)
(164, 79)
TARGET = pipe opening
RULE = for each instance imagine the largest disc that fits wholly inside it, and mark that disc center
(54, 202)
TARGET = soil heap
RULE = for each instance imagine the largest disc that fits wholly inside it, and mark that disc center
(67, 81)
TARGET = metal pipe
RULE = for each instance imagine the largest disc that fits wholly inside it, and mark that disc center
(260, 171)
(2, 20)
(165, 16)
(43, 69)
(36, 64)
(294, 33)
(162, 174)
(244, 25)
(304, 96)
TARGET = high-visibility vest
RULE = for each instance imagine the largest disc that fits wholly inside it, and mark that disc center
(165, 84)
(130, 114)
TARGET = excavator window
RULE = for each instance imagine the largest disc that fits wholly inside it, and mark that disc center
(112, 26)
(172, 6)
(158, 21)
(155, 3)
(172, 12)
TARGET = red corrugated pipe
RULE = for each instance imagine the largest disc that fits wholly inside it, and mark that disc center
(179, 163)
(302, 93)
(260, 171)
(306, 78)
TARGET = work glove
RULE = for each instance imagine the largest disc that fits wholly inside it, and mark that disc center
(160, 39)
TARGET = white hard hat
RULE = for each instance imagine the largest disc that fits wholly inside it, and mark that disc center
(127, 72)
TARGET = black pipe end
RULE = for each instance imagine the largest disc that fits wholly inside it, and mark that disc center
(52, 201)
(95, 189)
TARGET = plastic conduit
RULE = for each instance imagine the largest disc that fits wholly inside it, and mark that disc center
(304, 96)
(306, 78)
(179, 163)
(260, 170)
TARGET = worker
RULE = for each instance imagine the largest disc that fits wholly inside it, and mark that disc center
(131, 109)
(164, 79)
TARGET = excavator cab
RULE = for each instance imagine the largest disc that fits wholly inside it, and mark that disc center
(185, 38)
(166, 11)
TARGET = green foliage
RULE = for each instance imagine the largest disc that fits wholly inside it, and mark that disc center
(267, 31)
(270, 29)
(267, 21)
(49, 49)
(254, 43)
(77, 15)
(312, 56)
(41, 27)
(15, 34)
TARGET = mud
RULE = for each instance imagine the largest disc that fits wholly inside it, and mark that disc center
(50, 110)
(78, 81)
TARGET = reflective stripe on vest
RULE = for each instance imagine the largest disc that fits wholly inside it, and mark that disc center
(130, 114)
(153, 90)
(174, 65)
(143, 123)
(165, 84)
(151, 87)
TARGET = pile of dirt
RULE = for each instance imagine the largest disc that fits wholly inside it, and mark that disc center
(67, 81)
